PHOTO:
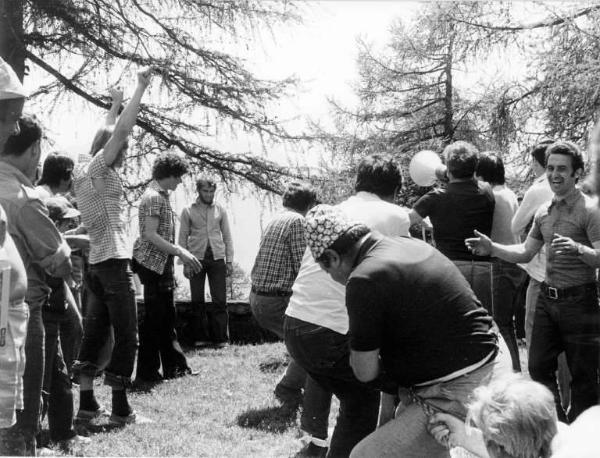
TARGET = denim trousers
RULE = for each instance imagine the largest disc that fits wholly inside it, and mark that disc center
(57, 395)
(563, 375)
(572, 325)
(158, 338)
(71, 333)
(269, 312)
(508, 281)
(110, 302)
(325, 355)
(406, 436)
(28, 419)
(480, 277)
(210, 320)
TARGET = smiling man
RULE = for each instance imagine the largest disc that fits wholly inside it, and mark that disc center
(417, 330)
(567, 317)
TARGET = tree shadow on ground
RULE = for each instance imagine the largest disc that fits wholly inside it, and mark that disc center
(274, 419)
(273, 364)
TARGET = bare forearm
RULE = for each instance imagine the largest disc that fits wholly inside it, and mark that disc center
(590, 256)
(162, 244)
(511, 253)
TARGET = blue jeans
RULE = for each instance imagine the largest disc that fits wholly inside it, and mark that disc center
(572, 325)
(480, 277)
(325, 355)
(269, 312)
(57, 394)
(28, 419)
(210, 320)
(406, 435)
(508, 282)
(111, 302)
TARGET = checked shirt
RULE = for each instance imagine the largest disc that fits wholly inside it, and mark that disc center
(280, 254)
(99, 194)
(155, 202)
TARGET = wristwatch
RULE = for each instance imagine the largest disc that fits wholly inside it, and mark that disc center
(580, 249)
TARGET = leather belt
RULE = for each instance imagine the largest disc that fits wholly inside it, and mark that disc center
(271, 293)
(560, 293)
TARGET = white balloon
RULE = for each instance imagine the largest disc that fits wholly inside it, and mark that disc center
(423, 166)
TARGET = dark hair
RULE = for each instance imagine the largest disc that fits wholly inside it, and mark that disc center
(567, 149)
(30, 133)
(539, 151)
(379, 174)
(205, 181)
(169, 165)
(299, 196)
(8, 105)
(461, 159)
(57, 166)
(491, 168)
(345, 242)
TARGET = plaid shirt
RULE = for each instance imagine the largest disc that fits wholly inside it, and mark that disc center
(155, 202)
(280, 254)
(101, 209)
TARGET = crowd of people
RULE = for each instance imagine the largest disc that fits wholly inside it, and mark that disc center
(416, 340)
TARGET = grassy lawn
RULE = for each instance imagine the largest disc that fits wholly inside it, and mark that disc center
(228, 410)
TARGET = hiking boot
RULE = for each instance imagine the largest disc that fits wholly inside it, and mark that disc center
(132, 418)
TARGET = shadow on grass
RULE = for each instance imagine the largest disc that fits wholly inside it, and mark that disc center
(144, 386)
(85, 429)
(270, 419)
(273, 365)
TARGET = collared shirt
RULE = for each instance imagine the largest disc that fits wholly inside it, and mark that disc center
(534, 197)
(455, 212)
(280, 253)
(316, 297)
(203, 225)
(575, 216)
(99, 194)
(39, 243)
(155, 202)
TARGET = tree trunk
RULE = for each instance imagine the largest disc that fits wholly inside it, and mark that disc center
(448, 105)
(12, 49)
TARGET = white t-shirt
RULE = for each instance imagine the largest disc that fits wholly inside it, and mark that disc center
(538, 194)
(319, 300)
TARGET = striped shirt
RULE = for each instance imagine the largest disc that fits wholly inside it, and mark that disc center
(280, 254)
(155, 202)
(99, 194)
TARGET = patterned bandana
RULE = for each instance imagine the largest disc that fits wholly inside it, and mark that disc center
(10, 86)
(323, 225)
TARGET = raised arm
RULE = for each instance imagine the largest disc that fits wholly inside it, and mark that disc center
(126, 121)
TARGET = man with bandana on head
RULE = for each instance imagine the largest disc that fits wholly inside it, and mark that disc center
(417, 330)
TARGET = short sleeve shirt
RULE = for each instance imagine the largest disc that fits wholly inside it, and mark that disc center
(155, 203)
(455, 212)
(577, 217)
(412, 303)
(101, 206)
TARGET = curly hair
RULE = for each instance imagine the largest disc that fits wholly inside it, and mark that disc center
(461, 159)
(378, 174)
(299, 196)
(169, 165)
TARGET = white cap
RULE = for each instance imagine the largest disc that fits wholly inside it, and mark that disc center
(10, 86)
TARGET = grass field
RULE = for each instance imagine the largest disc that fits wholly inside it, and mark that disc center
(228, 410)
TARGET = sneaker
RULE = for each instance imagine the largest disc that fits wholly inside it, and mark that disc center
(89, 415)
(311, 449)
(132, 418)
(76, 442)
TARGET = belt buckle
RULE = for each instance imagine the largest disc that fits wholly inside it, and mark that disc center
(552, 293)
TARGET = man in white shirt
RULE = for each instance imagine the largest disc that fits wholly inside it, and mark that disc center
(316, 323)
